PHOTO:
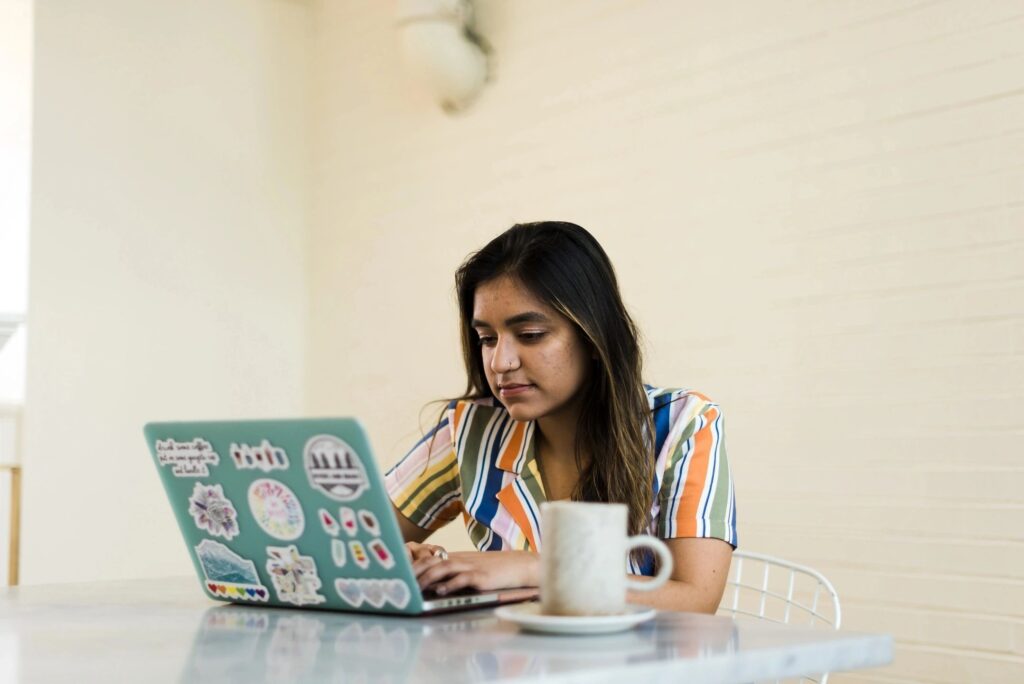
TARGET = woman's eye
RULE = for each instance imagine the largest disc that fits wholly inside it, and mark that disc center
(485, 341)
(531, 336)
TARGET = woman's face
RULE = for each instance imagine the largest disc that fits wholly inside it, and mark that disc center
(535, 361)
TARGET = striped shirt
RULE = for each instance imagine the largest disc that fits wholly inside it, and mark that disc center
(480, 463)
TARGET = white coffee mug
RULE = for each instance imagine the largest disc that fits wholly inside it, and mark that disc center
(583, 558)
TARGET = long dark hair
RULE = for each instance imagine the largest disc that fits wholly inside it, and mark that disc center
(564, 266)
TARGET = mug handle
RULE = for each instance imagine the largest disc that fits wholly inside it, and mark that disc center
(663, 555)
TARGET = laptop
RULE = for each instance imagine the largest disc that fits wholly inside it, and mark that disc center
(293, 513)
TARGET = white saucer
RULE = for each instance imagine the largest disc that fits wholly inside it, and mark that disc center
(528, 617)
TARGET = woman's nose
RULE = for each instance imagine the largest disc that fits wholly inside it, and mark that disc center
(505, 358)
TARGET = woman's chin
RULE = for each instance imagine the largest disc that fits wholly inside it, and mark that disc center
(519, 412)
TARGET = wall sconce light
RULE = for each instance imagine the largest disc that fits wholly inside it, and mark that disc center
(442, 49)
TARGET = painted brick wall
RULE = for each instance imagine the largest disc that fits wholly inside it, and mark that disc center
(817, 214)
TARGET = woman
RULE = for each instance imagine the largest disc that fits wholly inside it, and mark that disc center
(555, 408)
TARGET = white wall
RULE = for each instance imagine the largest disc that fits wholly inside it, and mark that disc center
(15, 130)
(815, 211)
(167, 275)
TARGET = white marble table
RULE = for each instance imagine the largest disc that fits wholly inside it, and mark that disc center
(166, 630)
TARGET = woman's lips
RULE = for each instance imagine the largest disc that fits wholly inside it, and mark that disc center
(508, 391)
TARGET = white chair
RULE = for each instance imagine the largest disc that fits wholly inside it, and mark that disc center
(769, 588)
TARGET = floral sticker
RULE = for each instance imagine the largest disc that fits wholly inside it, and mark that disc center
(212, 511)
(294, 576)
(276, 509)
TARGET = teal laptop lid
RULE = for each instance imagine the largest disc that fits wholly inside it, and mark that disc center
(287, 513)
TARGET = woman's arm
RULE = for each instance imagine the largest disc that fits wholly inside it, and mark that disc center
(699, 571)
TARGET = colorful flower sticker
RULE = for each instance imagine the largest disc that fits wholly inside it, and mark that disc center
(187, 459)
(334, 468)
(212, 511)
(265, 457)
(294, 576)
(228, 575)
(276, 509)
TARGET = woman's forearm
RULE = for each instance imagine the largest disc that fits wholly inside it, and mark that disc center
(678, 595)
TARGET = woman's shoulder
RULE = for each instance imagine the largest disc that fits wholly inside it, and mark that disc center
(678, 401)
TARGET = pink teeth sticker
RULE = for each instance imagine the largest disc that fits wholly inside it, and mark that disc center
(187, 459)
(212, 511)
(265, 456)
(369, 522)
(348, 520)
(330, 525)
(381, 554)
(338, 552)
(359, 554)
(334, 468)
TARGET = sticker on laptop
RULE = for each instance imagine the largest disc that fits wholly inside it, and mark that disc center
(294, 576)
(376, 592)
(187, 459)
(348, 520)
(228, 575)
(349, 591)
(359, 554)
(264, 456)
(328, 522)
(338, 554)
(369, 521)
(373, 592)
(397, 593)
(276, 509)
(212, 511)
(334, 468)
(381, 554)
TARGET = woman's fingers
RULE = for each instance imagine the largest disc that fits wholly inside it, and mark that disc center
(462, 580)
(420, 551)
(440, 571)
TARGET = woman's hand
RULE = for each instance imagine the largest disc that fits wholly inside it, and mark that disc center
(417, 552)
(480, 570)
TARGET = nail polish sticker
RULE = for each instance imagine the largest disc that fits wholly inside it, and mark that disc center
(397, 593)
(328, 522)
(369, 522)
(212, 511)
(338, 552)
(348, 520)
(334, 468)
(228, 575)
(294, 576)
(276, 509)
(349, 591)
(187, 459)
(373, 592)
(381, 554)
(359, 554)
(264, 456)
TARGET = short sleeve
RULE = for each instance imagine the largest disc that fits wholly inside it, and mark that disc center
(696, 497)
(424, 485)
